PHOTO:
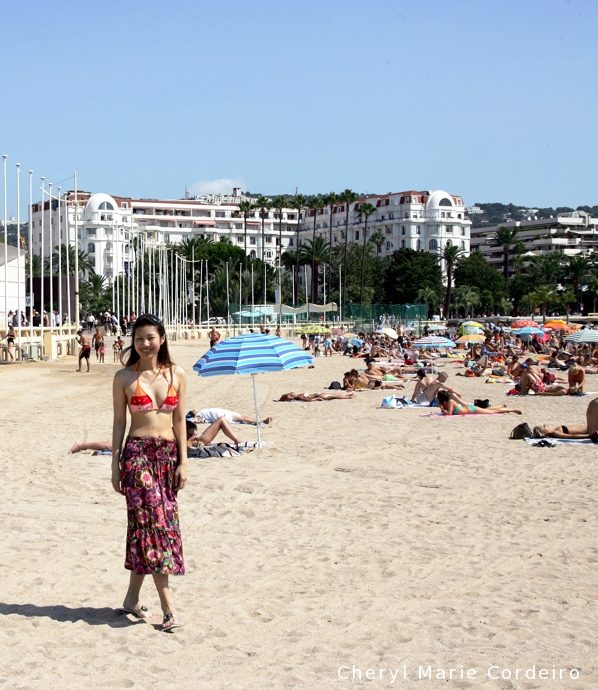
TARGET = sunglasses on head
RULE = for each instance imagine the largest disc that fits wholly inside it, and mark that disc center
(150, 317)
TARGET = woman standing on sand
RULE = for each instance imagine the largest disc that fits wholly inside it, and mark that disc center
(152, 466)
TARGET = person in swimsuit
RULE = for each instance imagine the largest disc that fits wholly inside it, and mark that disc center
(314, 397)
(449, 407)
(10, 343)
(97, 340)
(85, 351)
(210, 415)
(427, 387)
(589, 430)
(149, 467)
(355, 381)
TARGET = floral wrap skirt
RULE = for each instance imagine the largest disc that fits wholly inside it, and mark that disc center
(154, 545)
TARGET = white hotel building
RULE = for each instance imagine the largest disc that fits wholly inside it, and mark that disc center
(414, 220)
(106, 224)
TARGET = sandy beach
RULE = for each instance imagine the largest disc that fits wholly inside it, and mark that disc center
(361, 537)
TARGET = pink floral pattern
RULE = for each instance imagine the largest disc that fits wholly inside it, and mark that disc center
(154, 544)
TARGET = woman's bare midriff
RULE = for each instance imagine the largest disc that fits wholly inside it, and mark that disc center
(151, 424)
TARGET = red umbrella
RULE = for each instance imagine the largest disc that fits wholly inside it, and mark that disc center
(523, 323)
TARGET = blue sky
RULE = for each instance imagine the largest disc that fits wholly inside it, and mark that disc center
(495, 101)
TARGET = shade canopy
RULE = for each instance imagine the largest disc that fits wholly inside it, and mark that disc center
(585, 336)
(390, 332)
(476, 324)
(471, 338)
(529, 330)
(522, 323)
(314, 329)
(432, 341)
(252, 353)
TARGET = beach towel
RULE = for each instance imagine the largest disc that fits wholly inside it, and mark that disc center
(499, 379)
(552, 442)
(222, 450)
(437, 415)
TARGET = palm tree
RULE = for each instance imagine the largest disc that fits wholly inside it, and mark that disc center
(245, 208)
(505, 305)
(543, 294)
(450, 254)
(579, 268)
(506, 238)
(315, 252)
(347, 197)
(365, 211)
(330, 200)
(297, 202)
(86, 264)
(378, 239)
(278, 204)
(547, 269)
(263, 204)
(426, 295)
(468, 297)
(315, 205)
(97, 285)
(567, 298)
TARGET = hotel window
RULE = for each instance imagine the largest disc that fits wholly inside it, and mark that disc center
(163, 224)
(126, 248)
(91, 248)
(91, 232)
(462, 244)
(433, 245)
(268, 255)
(402, 230)
(388, 245)
(463, 231)
(268, 240)
(252, 240)
(92, 261)
(124, 204)
(403, 244)
(106, 206)
(239, 239)
(418, 245)
(388, 231)
(442, 214)
(449, 229)
(291, 244)
(335, 239)
(418, 230)
(391, 216)
(238, 226)
(356, 235)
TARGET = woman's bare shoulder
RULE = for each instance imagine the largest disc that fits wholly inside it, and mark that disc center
(124, 376)
(178, 370)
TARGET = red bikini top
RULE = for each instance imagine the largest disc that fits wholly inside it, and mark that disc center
(141, 401)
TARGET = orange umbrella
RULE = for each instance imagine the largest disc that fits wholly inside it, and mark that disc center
(557, 326)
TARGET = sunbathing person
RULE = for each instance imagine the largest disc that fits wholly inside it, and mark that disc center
(211, 414)
(314, 397)
(204, 439)
(355, 381)
(589, 430)
(450, 408)
(533, 379)
(374, 371)
(193, 439)
(429, 387)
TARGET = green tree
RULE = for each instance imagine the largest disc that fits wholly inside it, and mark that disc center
(365, 211)
(450, 254)
(567, 298)
(315, 206)
(547, 268)
(278, 204)
(245, 208)
(579, 269)
(506, 238)
(378, 239)
(347, 197)
(315, 252)
(330, 200)
(544, 295)
(467, 297)
(475, 271)
(427, 295)
(408, 272)
(298, 202)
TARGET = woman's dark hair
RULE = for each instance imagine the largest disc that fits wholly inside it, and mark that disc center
(420, 373)
(442, 396)
(131, 356)
(191, 428)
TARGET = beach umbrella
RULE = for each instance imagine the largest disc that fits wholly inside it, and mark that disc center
(556, 326)
(357, 342)
(313, 330)
(471, 338)
(476, 324)
(436, 327)
(474, 330)
(434, 341)
(390, 332)
(348, 336)
(529, 330)
(522, 323)
(585, 336)
(252, 353)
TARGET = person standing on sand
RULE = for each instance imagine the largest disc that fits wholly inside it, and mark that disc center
(214, 336)
(83, 339)
(97, 340)
(151, 466)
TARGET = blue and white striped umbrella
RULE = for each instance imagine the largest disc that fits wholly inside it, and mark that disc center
(432, 341)
(252, 353)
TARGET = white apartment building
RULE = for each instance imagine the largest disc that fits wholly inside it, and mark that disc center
(106, 224)
(416, 220)
(570, 233)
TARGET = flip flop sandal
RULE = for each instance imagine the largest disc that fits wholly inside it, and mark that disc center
(143, 609)
(169, 623)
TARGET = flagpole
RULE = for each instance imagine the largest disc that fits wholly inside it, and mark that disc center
(30, 260)
(51, 234)
(76, 256)
(207, 293)
(200, 289)
(4, 157)
(193, 283)
(19, 308)
(60, 305)
(227, 298)
(41, 321)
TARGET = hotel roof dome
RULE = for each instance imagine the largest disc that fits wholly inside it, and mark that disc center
(100, 202)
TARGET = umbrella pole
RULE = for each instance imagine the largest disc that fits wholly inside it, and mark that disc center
(257, 415)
